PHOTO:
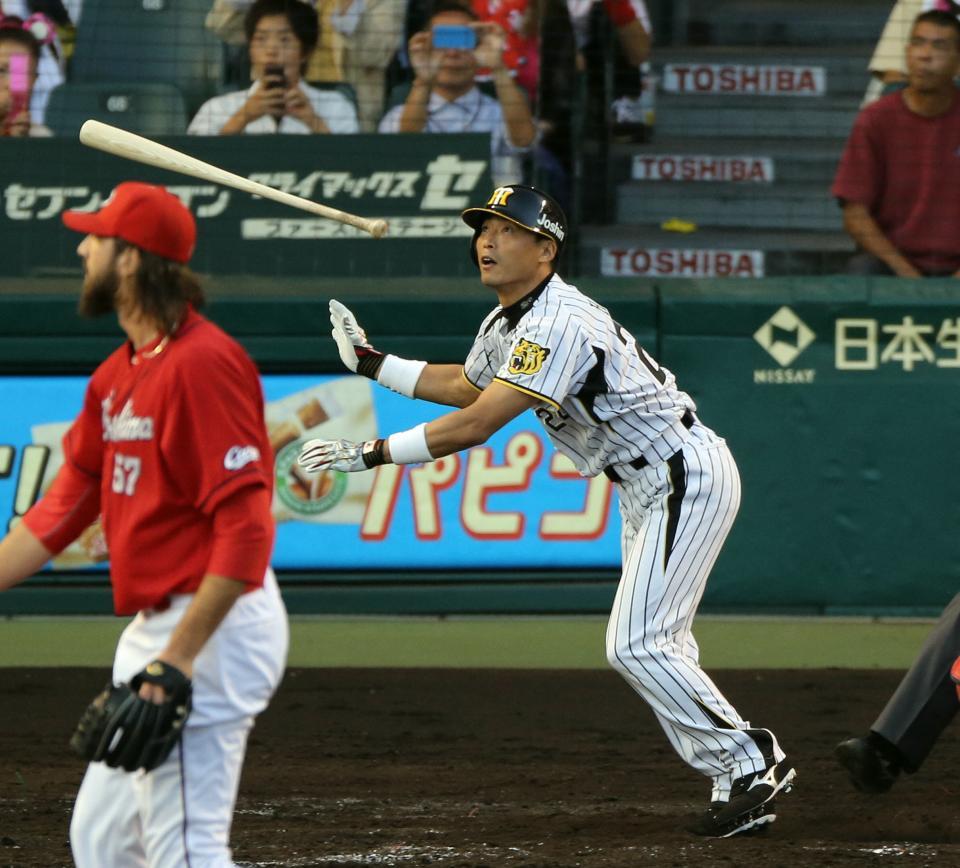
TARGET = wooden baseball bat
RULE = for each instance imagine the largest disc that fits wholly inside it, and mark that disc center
(113, 140)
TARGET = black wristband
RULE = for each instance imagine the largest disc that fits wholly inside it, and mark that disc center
(369, 362)
(373, 453)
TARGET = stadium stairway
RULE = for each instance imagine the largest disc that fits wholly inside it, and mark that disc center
(749, 129)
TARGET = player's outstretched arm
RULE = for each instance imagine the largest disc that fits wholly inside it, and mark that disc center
(446, 384)
(21, 555)
(470, 426)
(359, 356)
(441, 384)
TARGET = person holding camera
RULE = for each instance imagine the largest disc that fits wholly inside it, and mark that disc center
(280, 36)
(444, 97)
(19, 56)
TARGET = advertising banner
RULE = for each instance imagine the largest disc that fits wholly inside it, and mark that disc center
(418, 183)
(838, 402)
(512, 504)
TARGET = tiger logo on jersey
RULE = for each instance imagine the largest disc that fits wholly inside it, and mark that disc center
(527, 358)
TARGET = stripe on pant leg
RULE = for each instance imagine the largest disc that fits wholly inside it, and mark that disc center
(678, 488)
(181, 753)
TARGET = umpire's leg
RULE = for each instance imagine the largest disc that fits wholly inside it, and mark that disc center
(926, 700)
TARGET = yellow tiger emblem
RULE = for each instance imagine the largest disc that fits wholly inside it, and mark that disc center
(527, 358)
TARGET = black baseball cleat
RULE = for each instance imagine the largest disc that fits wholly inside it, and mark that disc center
(751, 805)
(870, 770)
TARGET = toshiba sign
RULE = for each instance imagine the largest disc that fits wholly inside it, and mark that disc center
(688, 167)
(672, 262)
(743, 79)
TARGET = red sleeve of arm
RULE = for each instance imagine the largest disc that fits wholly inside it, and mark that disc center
(620, 12)
(859, 176)
(242, 536)
(70, 505)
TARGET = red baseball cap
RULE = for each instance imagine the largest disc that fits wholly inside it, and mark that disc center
(146, 215)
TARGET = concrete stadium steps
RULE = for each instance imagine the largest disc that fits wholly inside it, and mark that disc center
(815, 162)
(760, 117)
(845, 65)
(778, 206)
(767, 22)
(786, 252)
(769, 211)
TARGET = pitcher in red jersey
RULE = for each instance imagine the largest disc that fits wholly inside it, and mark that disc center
(171, 451)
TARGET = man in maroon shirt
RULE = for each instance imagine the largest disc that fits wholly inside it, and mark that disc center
(899, 177)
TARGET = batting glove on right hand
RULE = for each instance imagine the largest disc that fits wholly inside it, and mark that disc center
(355, 352)
(343, 455)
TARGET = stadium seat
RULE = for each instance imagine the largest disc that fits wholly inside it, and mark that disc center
(149, 41)
(148, 109)
(343, 87)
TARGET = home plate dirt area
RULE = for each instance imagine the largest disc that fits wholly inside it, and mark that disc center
(468, 768)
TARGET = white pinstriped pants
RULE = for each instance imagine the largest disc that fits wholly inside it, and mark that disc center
(676, 517)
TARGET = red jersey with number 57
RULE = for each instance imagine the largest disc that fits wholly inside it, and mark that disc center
(165, 435)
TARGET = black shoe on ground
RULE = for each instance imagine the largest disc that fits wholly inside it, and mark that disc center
(751, 804)
(870, 771)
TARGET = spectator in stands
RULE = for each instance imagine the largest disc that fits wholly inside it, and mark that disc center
(371, 32)
(227, 19)
(34, 16)
(280, 35)
(633, 83)
(15, 116)
(899, 177)
(888, 65)
(357, 40)
(540, 53)
(444, 97)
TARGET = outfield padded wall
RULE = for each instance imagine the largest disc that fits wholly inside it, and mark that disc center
(836, 396)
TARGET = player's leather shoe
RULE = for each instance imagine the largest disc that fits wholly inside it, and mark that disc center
(870, 771)
(751, 803)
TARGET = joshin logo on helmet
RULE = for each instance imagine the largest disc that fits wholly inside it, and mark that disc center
(551, 226)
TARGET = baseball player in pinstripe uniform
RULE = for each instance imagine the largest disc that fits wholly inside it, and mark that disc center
(608, 406)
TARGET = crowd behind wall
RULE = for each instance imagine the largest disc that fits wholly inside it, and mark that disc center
(536, 75)
(342, 66)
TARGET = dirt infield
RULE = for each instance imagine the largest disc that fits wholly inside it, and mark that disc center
(470, 768)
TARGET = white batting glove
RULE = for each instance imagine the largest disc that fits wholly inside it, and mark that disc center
(342, 455)
(355, 351)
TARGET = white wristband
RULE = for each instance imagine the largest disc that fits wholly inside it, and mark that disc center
(410, 446)
(400, 375)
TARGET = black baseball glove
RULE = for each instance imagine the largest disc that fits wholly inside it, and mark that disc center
(125, 731)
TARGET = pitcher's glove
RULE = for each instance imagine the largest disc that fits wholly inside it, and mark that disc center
(125, 731)
(955, 675)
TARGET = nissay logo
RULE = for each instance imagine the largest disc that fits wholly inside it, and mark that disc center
(551, 226)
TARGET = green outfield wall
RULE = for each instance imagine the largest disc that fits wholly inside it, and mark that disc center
(838, 397)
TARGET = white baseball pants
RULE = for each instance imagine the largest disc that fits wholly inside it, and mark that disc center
(676, 517)
(179, 815)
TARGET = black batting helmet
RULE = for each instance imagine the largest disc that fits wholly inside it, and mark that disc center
(526, 206)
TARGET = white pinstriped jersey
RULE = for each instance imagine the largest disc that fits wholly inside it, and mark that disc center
(606, 402)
